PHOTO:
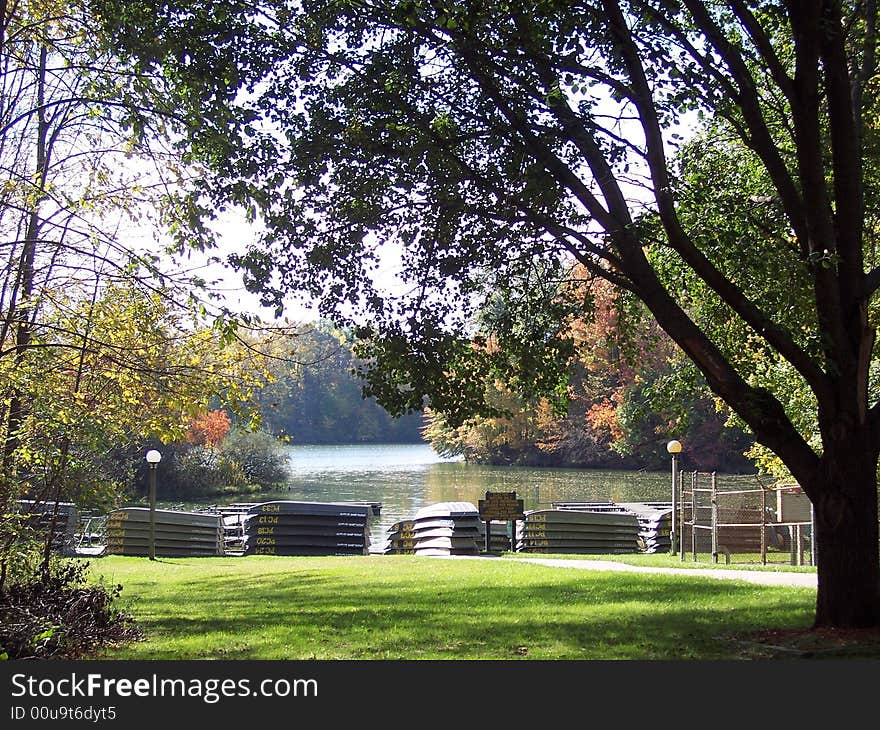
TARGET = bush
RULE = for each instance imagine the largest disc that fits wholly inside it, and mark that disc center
(259, 455)
(61, 617)
(192, 471)
(243, 462)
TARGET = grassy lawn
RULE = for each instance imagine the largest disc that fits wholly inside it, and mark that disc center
(664, 560)
(406, 607)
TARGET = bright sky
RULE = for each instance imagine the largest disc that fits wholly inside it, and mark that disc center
(236, 236)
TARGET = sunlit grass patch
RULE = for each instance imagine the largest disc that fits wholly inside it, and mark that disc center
(405, 607)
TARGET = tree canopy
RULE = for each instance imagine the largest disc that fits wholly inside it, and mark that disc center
(493, 145)
(105, 339)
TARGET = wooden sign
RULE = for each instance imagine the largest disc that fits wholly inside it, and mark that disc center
(503, 506)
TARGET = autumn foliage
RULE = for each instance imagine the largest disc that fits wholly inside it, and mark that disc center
(208, 429)
(624, 402)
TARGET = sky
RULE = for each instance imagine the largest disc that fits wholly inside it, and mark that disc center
(236, 234)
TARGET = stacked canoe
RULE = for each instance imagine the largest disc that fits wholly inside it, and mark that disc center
(447, 528)
(576, 531)
(400, 539)
(499, 536)
(655, 520)
(178, 533)
(55, 521)
(306, 528)
(655, 525)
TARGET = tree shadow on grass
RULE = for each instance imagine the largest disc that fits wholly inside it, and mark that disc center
(302, 614)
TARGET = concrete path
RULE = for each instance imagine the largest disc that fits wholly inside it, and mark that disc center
(770, 578)
(761, 577)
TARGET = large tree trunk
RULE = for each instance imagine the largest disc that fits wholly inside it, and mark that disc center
(844, 495)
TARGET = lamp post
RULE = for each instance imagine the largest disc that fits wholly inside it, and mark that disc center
(153, 458)
(674, 448)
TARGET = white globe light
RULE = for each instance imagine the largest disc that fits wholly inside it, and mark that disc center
(153, 456)
(674, 447)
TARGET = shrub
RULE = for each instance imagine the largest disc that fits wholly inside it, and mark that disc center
(61, 616)
(259, 455)
(243, 462)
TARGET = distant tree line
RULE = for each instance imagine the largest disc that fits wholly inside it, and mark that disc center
(317, 399)
(629, 392)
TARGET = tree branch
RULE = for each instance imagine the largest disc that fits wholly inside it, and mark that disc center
(758, 320)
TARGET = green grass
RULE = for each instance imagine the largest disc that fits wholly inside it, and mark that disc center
(407, 607)
(664, 560)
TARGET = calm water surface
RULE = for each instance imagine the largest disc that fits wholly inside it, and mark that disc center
(406, 477)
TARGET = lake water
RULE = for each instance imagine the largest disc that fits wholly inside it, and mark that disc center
(406, 477)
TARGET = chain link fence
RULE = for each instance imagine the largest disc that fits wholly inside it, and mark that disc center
(741, 519)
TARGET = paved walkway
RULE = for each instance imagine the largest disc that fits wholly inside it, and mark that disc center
(770, 578)
(761, 577)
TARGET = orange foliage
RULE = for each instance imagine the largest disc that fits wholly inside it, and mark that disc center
(209, 429)
(598, 337)
(603, 419)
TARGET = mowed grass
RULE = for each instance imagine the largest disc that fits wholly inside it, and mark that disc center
(409, 607)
